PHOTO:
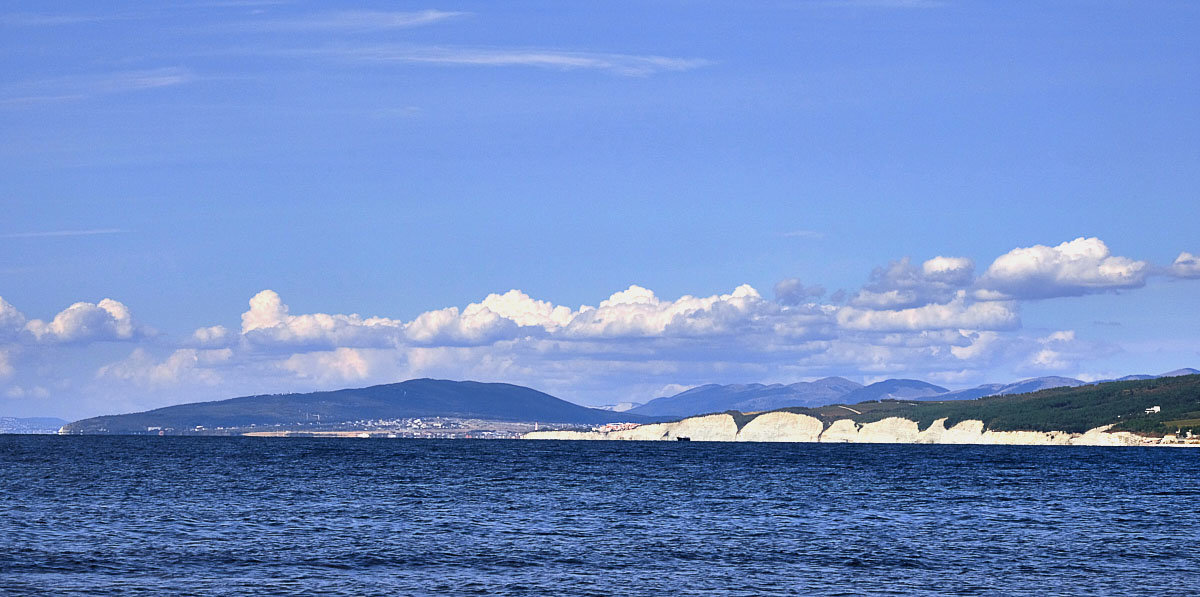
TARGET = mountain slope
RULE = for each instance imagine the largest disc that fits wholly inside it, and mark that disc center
(747, 397)
(1017, 387)
(1178, 372)
(413, 398)
(894, 388)
(1130, 405)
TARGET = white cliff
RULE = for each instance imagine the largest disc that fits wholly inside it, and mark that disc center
(782, 426)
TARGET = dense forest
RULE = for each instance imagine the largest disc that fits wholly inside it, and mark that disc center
(1130, 405)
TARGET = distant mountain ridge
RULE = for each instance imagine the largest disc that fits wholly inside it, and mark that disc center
(754, 397)
(895, 389)
(506, 402)
(410, 399)
(748, 397)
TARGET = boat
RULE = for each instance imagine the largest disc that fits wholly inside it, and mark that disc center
(683, 439)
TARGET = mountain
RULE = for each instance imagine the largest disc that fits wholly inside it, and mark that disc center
(1016, 387)
(1175, 373)
(30, 425)
(1038, 383)
(909, 389)
(1155, 406)
(747, 397)
(987, 389)
(1178, 372)
(409, 399)
(1150, 412)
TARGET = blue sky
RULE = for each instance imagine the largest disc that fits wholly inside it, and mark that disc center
(396, 160)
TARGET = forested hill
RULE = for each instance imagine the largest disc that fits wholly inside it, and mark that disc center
(413, 398)
(1076, 410)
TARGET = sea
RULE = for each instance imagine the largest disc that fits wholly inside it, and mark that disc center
(104, 515)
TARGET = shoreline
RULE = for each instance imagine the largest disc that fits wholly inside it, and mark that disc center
(786, 427)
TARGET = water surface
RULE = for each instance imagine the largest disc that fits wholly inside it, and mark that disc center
(153, 516)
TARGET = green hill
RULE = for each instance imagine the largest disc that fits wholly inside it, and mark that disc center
(409, 399)
(1076, 410)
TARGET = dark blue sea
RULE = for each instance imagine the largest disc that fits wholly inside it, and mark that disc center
(251, 516)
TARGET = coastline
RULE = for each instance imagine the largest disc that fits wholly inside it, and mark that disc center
(792, 427)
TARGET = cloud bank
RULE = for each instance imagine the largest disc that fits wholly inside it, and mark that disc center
(934, 318)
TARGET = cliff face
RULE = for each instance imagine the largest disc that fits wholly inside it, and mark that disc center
(791, 427)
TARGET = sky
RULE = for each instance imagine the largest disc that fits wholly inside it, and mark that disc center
(605, 201)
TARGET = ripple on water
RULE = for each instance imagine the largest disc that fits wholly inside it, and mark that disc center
(243, 516)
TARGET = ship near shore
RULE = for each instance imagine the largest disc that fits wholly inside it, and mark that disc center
(1160, 412)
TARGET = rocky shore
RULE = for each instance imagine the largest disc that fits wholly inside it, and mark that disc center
(792, 427)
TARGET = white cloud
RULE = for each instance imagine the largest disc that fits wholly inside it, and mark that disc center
(1062, 336)
(792, 291)
(930, 320)
(981, 344)
(356, 20)
(1077, 267)
(959, 313)
(631, 313)
(1061, 351)
(342, 364)
(6, 368)
(621, 64)
(268, 323)
(212, 336)
(496, 317)
(1186, 265)
(185, 365)
(523, 310)
(23, 392)
(12, 321)
(956, 271)
(450, 327)
(79, 87)
(637, 312)
(86, 322)
(62, 233)
(901, 284)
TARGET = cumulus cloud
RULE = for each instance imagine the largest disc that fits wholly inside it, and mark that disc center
(495, 317)
(1074, 268)
(901, 284)
(85, 322)
(212, 336)
(637, 312)
(932, 319)
(343, 364)
(186, 365)
(980, 344)
(953, 271)
(1186, 265)
(792, 291)
(268, 323)
(11, 320)
(956, 314)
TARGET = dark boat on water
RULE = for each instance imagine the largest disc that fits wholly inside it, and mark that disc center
(683, 439)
